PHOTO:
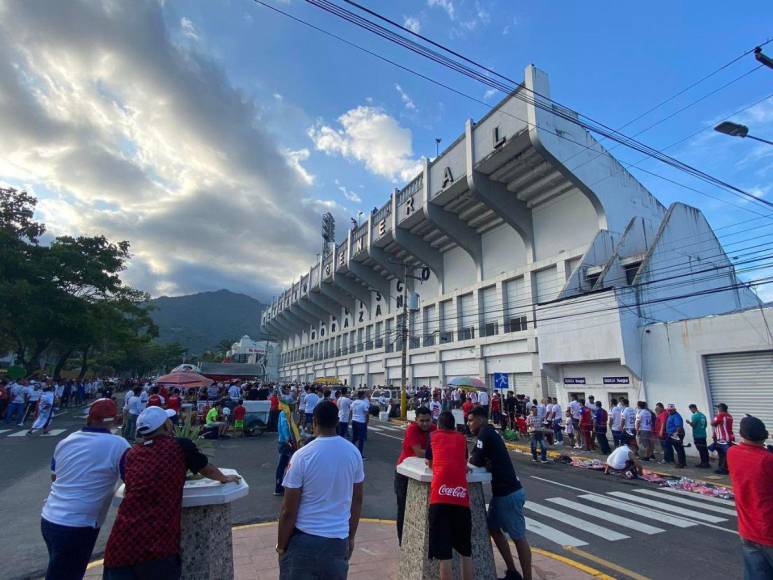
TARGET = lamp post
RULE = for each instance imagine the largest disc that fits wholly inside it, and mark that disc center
(738, 130)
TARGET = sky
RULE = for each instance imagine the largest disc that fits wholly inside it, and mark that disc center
(212, 134)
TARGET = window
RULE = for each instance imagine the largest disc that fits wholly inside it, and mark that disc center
(516, 324)
(429, 340)
(489, 329)
(414, 342)
(446, 337)
(630, 272)
(591, 279)
(466, 333)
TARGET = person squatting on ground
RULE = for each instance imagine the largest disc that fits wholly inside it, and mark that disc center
(623, 459)
(505, 511)
(322, 504)
(415, 444)
(450, 521)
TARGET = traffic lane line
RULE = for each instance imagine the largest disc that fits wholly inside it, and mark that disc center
(710, 498)
(667, 507)
(632, 508)
(606, 563)
(606, 516)
(552, 534)
(688, 502)
(573, 521)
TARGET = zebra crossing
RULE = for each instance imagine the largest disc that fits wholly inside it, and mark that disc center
(616, 516)
(23, 432)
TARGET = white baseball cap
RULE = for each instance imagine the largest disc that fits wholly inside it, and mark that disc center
(152, 418)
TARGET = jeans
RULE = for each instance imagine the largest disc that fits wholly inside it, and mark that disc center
(536, 438)
(343, 429)
(603, 442)
(14, 411)
(617, 438)
(757, 561)
(668, 451)
(69, 549)
(314, 558)
(722, 452)
(559, 433)
(703, 451)
(284, 459)
(130, 429)
(359, 435)
(670, 445)
(401, 492)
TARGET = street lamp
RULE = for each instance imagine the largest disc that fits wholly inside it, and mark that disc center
(737, 130)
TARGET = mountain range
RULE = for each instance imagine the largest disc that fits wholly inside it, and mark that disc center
(200, 321)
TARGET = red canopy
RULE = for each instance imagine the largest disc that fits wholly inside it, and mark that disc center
(186, 380)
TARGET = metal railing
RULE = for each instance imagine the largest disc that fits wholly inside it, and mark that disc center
(410, 189)
(384, 212)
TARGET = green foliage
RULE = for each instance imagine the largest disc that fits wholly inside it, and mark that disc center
(66, 298)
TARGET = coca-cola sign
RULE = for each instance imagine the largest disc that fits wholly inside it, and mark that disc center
(457, 492)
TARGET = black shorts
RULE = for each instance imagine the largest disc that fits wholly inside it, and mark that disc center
(450, 528)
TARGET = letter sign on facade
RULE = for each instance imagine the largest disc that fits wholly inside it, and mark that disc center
(448, 177)
(381, 227)
(341, 258)
(409, 206)
(358, 244)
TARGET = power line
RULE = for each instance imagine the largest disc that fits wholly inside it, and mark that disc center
(549, 106)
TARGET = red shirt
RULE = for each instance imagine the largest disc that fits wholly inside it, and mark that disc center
(414, 436)
(723, 427)
(449, 468)
(239, 413)
(274, 402)
(751, 471)
(586, 420)
(520, 422)
(174, 402)
(496, 405)
(147, 526)
(164, 392)
(660, 424)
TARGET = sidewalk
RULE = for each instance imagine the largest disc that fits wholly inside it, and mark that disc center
(376, 554)
(664, 470)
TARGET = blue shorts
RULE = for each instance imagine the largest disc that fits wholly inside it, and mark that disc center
(506, 513)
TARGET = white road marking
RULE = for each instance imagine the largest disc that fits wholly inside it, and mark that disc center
(553, 534)
(390, 428)
(608, 516)
(376, 429)
(54, 432)
(635, 509)
(570, 520)
(719, 500)
(21, 433)
(667, 507)
(4, 431)
(692, 503)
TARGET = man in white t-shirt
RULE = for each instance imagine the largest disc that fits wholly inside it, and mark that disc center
(16, 399)
(623, 459)
(629, 418)
(645, 421)
(344, 413)
(84, 471)
(360, 418)
(312, 398)
(483, 400)
(616, 421)
(322, 503)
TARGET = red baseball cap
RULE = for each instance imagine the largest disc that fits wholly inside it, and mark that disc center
(103, 410)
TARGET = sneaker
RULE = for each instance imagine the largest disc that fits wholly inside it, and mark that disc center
(534, 460)
(544, 461)
(278, 493)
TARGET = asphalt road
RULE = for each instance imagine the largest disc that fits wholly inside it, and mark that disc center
(623, 528)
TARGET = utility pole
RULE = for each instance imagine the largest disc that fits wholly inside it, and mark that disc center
(404, 354)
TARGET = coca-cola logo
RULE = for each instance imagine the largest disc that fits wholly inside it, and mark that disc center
(458, 492)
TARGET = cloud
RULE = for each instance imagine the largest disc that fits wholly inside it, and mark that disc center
(446, 5)
(405, 98)
(126, 133)
(490, 94)
(509, 27)
(372, 137)
(480, 18)
(348, 193)
(294, 159)
(188, 29)
(412, 23)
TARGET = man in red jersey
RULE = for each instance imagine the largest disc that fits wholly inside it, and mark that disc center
(751, 470)
(450, 521)
(414, 445)
(723, 436)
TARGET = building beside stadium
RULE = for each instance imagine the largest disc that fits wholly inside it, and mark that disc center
(538, 260)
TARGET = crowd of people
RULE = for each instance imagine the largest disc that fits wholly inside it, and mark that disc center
(321, 437)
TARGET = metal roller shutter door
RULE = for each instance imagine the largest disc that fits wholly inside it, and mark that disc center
(744, 382)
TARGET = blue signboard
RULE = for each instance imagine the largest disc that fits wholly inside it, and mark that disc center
(501, 381)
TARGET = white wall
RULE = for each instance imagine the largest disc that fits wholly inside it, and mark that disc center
(458, 269)
(503, 251)
(673, 369)
(565, 223)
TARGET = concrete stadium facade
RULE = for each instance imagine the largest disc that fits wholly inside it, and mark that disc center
(536, 255)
